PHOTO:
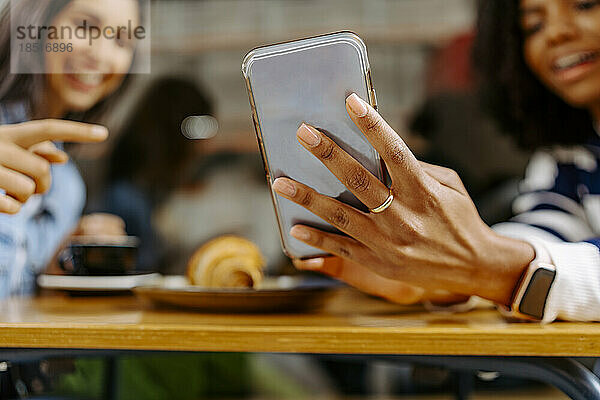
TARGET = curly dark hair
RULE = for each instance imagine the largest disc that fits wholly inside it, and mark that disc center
(522, 105)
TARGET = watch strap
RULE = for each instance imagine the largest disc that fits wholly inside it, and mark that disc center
(533, 288)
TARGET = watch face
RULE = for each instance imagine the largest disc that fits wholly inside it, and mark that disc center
(536, 294)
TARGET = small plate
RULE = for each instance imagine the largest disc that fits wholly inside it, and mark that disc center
(283, 294)
(86, 283)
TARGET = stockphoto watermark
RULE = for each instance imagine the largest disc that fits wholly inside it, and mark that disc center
(80, 36)
(83, 31)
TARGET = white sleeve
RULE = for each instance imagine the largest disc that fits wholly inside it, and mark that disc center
(575, 293)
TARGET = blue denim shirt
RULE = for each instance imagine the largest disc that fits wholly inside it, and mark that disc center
(30, 238)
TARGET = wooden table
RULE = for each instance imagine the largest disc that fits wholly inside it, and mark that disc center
(351, 324)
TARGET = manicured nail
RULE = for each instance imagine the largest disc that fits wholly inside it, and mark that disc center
(313, 263)
(284, 186)
(300, 233)
(100, 132)
(308, 135)
(357, 105)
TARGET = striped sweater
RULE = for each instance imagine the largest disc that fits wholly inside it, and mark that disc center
(558, 212)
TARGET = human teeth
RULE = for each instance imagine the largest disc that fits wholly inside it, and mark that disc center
(89, 79)
(573, 59)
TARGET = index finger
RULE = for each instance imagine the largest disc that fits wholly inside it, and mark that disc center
(397, 156)
(26, 134)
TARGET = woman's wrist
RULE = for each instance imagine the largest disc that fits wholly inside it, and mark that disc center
(502, 264)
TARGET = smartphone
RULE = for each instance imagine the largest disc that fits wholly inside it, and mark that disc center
(308, 80)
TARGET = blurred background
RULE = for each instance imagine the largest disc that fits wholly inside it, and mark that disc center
(419, 54)
(175, 193)
(419, 51)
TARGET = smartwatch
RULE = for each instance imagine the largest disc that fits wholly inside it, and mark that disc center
(531, 293)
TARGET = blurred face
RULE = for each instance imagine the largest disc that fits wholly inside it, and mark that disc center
(562, 47)
(93, 69)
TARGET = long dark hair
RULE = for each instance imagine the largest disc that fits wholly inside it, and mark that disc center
(25, 87)
(150, 151)
(522, 105)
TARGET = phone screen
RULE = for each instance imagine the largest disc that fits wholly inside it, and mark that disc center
(308, 81)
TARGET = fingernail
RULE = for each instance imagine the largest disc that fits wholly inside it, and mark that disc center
(300, 233)
(357, 105)
(284, 186)
(313, 263)
(308, 136)
(12, 206)
(100, 132)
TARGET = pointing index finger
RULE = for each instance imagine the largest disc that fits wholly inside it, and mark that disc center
(397, 156)
(27, 134)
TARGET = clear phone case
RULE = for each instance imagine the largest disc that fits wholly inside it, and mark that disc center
(308, 81)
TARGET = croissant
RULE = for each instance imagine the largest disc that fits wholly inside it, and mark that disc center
(226, 262)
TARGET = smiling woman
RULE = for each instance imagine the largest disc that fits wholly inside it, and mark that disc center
(524, 91)
(561, 47)
(49, 80)
(94, 68)
(67, 68)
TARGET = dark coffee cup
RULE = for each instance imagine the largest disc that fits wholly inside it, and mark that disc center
(97, 258)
